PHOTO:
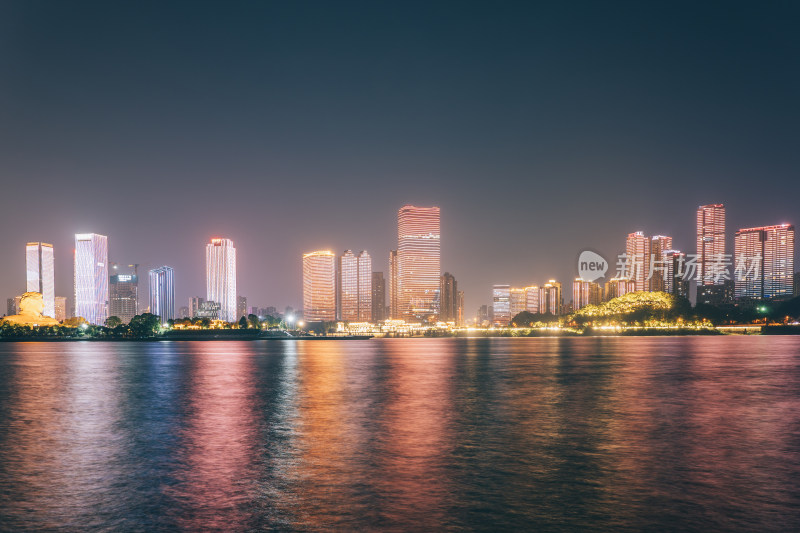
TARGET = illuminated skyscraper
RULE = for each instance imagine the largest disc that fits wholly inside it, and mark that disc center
(637, 248)
(448, 308)
(501, 303)
(517, 301)
(162, 292)
(123, 293)
(319, 286)
(551, 299)
(532, 298)
(394, 303)
(418, 258)
(41, 274)
(765, 262)
(585, 293)
(221, 277)
(354, 287)
(711, 254)
(91, 277)
(364, 287)
(659, 244)
(675, 280)
(617, 287)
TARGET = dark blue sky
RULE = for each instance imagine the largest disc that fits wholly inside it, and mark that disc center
(539, 129)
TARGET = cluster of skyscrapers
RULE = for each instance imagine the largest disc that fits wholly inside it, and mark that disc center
(100, 289)
(761, 268)
(345, 288)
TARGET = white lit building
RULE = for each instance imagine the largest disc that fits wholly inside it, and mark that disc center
(91, 277)
(221, 277)
(41, 274)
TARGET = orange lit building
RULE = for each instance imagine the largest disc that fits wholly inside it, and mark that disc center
(319, 286)
(418, 262)
(585, 293)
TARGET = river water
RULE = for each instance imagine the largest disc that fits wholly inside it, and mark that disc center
(545, 434)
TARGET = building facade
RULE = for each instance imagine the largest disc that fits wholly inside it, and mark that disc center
(617, 287)
(319, 286)
(354, 287)
(241, 307)
(551, 299)
(418, 262)
(162, 292)
(448, 296)
(378, 297)
(676, 280)
(585, 293)
(659, 264)
(501, 304)
(394, 303)
(221, 277)
(517, 301)
(40, 274)
(194, 305)
(123, 293)
(764, 262)
(711, 285)
(91, 277)
(637, 248)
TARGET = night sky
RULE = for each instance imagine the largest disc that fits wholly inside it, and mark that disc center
(539, 129)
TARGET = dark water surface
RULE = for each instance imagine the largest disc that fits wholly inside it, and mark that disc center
(682, 433)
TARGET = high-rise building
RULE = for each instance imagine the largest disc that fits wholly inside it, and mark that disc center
(91, 277)
(710, 242)
(659, 244)
(184, 312)
(551, 299)
(418, 258)
(241, 307)
(60, 308)
(221, 277)
(765, 262)
(41, 274)
(123, 293)
(347, 286)
(676, 282)
(319, 286)
(354, 287)
(162, 292)
(585, 293)
(637, 248)
(448, 296)
(460, 309)
(617, 287)
(378, 297)
(532, 298)
(517, 301)
(483, 318)
(394, 303)
(712, 286)
(194, 305)
(501, 302)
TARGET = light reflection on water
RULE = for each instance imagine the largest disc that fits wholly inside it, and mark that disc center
(681, 433)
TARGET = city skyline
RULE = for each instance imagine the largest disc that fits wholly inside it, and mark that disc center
(659, 248)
